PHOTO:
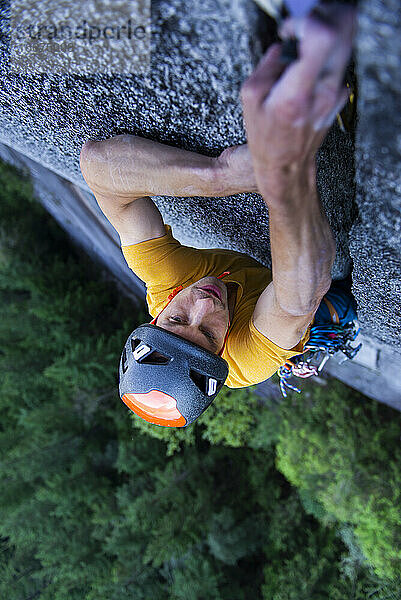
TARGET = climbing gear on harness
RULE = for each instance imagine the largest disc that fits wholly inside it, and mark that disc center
(324, 341)
(334, 327)
(166, 379)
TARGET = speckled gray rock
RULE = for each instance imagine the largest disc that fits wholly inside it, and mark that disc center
(201, 54)
(375, 239)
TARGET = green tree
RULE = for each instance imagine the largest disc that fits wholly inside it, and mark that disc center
(343, 451)
(58, 363)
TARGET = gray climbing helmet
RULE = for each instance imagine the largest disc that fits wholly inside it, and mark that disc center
(166, 379)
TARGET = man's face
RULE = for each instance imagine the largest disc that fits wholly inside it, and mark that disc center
(197, 315)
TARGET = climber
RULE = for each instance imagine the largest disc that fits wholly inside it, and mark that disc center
(220, 316)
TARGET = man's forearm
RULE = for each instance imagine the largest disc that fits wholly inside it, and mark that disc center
(302, 243)
(130, 166)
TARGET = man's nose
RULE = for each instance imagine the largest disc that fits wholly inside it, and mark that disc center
(202, 307)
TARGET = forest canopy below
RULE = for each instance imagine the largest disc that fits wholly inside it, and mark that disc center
(291, 500)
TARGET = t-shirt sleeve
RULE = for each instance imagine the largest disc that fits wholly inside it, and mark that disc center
(254, 357)
(163, 263)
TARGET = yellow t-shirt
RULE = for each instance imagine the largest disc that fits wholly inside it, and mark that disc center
(164, 264)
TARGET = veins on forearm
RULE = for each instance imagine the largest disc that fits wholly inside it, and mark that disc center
(302, 249)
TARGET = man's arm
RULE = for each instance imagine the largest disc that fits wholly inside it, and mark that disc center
(288, 114)
(303, 251)
(302, 245)
(126, 167)
(125, 170)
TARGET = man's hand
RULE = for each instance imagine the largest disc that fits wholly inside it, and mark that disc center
(288, 111)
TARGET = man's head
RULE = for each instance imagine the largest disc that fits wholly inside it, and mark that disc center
(198, 315)
(170, 379)
(166, 379)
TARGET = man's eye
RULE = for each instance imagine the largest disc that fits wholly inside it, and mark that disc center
(179, 320)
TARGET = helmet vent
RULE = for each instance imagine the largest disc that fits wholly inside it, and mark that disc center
(155, 358)
(124, 362)
(199, 380)
(134, 343)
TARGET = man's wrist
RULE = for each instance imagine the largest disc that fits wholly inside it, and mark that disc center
(234, 172)
(220, 177)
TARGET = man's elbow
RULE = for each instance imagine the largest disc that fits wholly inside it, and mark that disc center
(94, 162)
(97, 159)
(87, 159)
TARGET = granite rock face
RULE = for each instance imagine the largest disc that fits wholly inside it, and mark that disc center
(375, 238)
(201, 53)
